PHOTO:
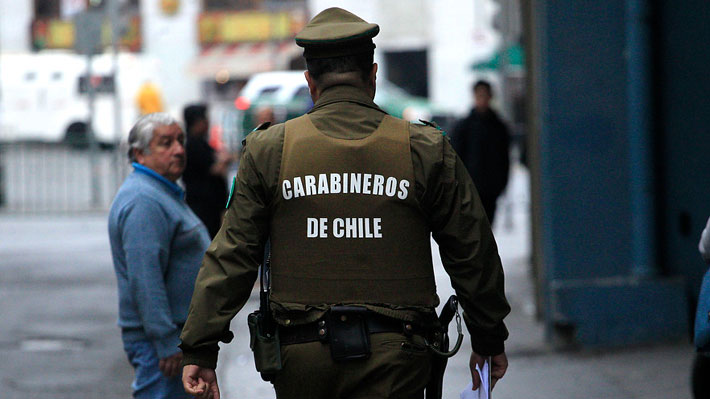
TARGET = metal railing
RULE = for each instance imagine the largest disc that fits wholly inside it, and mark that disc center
(58, 178)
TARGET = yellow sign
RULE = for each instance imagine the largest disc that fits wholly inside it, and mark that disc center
(254, 26)
(61, 34)
(246, 27)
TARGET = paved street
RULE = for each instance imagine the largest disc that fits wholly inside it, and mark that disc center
(58, 337)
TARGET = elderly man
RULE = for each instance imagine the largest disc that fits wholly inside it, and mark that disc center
(157, 244)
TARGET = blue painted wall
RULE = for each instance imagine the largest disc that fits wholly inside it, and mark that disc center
(603, 282)
(584, 147)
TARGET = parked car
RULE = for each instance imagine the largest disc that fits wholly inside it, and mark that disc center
(286, 93)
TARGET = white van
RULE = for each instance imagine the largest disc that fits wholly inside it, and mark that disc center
(43, 95)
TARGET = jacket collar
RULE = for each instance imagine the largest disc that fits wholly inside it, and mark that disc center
(344, 93)
(171, 186)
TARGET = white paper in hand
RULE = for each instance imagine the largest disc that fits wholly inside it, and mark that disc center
(483, 391)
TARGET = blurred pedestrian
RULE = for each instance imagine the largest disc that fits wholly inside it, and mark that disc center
(348, 196)
(264, 114)
(482, 142)
(205, 176)
(157, 243)
(701, 366)
(148, 99)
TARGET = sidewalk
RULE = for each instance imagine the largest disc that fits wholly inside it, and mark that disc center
(536, 370)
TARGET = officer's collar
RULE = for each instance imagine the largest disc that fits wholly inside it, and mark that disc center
(344, 93)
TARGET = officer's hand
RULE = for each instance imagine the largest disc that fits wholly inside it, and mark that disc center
(200, 382)
(499, 364)
(170, 366)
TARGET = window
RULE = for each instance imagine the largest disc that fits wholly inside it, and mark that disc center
(303, 92)
(47, 8)
(100, 83)
(226, 5)
(122, 4)
(408, 70)
(267, 91)
(68, 8)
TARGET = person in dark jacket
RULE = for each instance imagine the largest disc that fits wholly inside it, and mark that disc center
(482, 142)
(206, 170)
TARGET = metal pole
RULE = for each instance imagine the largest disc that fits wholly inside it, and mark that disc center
(641, 146)
(93, 145)
(113, 8)
(2, 169)
(503, 59)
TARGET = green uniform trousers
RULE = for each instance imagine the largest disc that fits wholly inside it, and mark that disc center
(399, 367)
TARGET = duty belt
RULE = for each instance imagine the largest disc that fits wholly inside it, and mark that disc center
(318, 330)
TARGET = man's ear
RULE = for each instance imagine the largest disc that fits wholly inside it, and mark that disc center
(311, 86)
(138, 155)
(372, 81)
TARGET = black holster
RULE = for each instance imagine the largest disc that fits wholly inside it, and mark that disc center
(264, 342)
(440, 341)
(263, 332)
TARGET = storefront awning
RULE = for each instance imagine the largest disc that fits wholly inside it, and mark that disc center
(242, 60)
(515, 57)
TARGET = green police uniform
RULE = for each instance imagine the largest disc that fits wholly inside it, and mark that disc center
(329, 249)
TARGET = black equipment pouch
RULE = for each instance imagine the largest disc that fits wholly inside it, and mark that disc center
(265, 345)
(347, 333)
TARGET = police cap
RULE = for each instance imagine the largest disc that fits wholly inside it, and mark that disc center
(335, 32)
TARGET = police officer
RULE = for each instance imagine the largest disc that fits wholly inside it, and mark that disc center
(348, 196)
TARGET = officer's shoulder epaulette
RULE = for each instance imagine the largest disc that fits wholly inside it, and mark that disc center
(434, 125)
(231, 192)
(262, 126)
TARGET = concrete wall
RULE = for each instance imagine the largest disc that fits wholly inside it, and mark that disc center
(455, 33)
(173, 40)
(15, 18)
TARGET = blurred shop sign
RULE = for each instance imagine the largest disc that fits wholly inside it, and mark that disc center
(248, 26)
(55, 33)
(52, 33)
(102, 84)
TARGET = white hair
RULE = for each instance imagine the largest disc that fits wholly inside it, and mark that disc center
(142, 132)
